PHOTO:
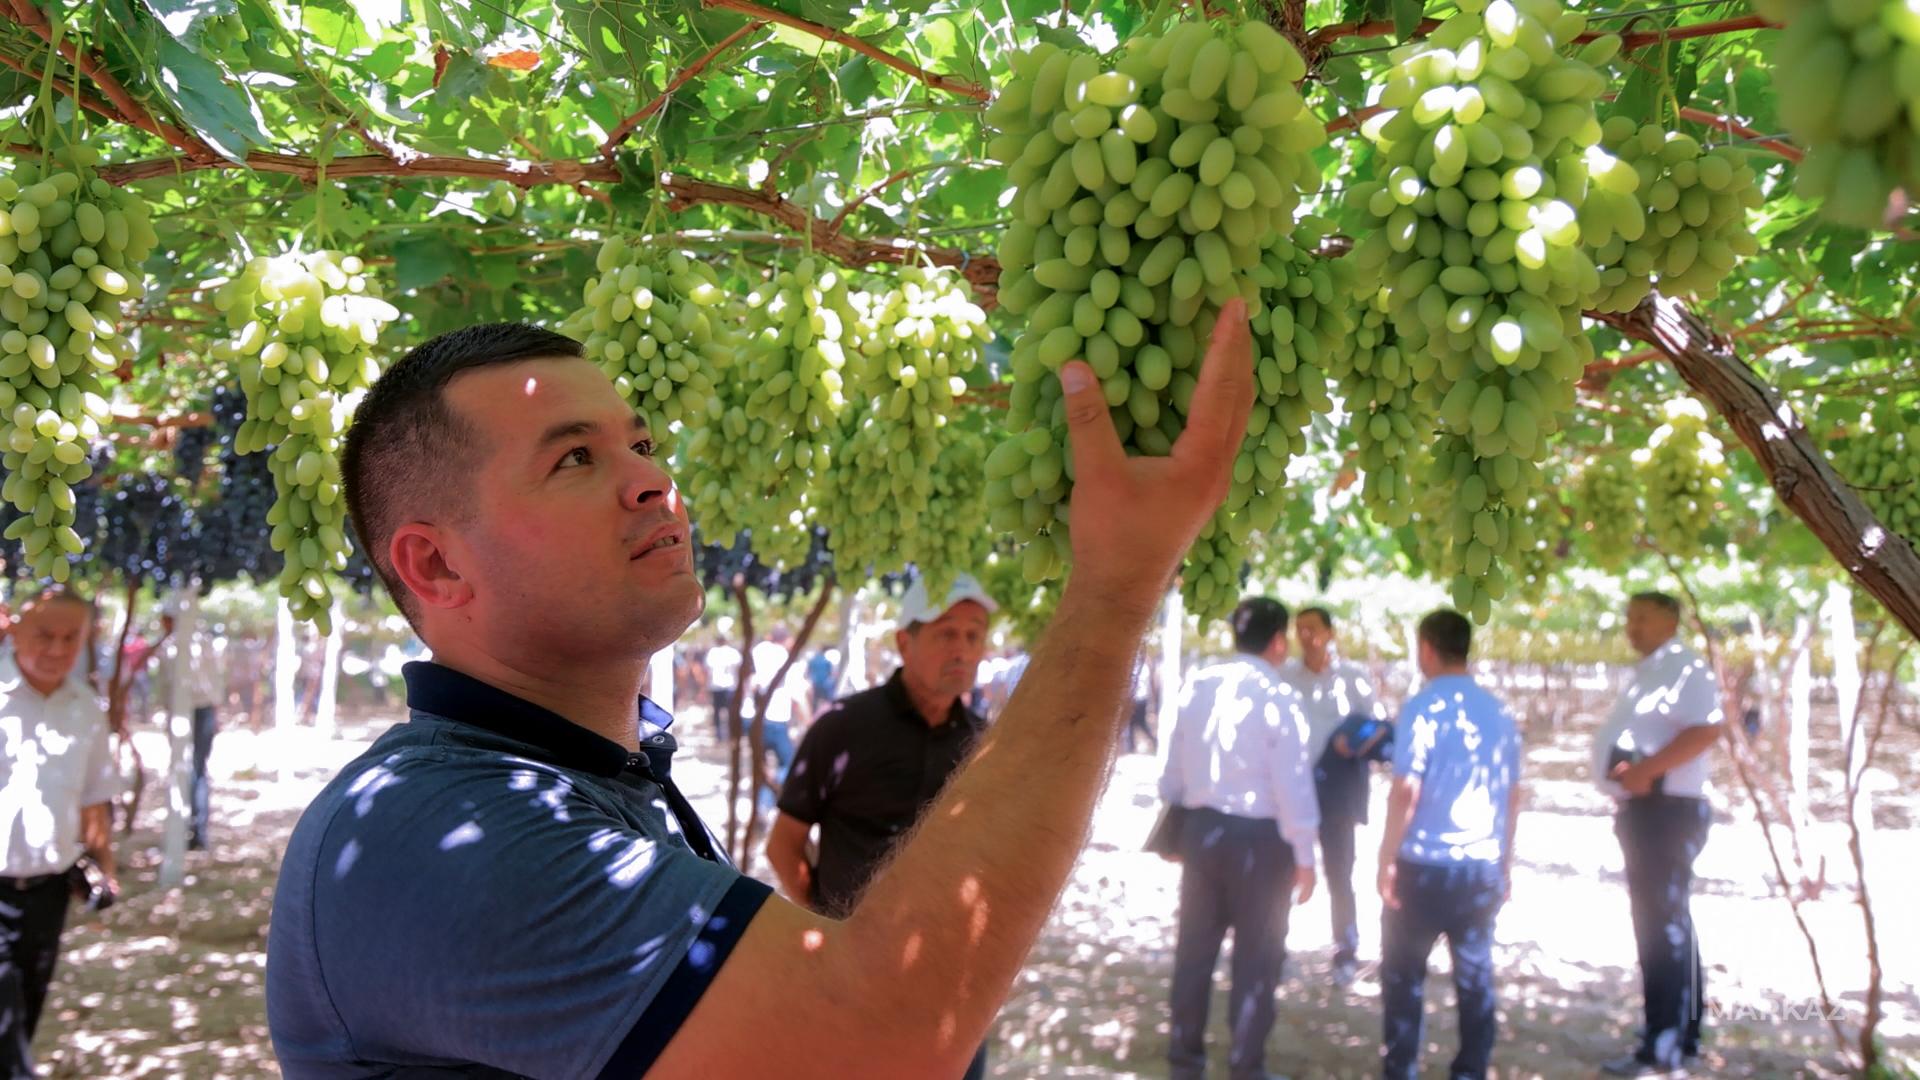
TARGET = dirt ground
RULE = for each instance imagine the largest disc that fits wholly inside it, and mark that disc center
(169, 982)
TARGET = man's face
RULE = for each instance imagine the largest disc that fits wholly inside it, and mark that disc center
(1314, 635)
(577, 543)
(48, 640)
(1649, 627)
(943, 656)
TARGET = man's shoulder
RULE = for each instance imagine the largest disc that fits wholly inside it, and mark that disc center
(855, 712)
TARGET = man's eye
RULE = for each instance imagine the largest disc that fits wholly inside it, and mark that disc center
(644, 448)
(576, 456)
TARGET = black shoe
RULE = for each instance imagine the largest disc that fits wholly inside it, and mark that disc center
(1634, 1065)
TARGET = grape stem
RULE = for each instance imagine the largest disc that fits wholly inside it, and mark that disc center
(627, 127)
(826, 33)
(833, 227)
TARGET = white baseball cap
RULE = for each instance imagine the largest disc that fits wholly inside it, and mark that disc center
(916, 608)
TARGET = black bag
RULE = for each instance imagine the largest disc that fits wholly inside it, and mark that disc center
(1164, 838)
(1624, 753)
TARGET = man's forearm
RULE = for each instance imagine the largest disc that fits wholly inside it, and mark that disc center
(96, 835)
(1684, 747)
(1399, 809)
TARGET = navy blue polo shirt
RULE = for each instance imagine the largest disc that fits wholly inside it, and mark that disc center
(494, 891)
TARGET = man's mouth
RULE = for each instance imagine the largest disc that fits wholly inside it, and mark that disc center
(670, 538)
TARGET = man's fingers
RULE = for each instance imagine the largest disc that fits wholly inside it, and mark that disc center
(1096, 445)
(1223, 396)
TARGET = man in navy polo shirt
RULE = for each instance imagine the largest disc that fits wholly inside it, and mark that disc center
(510, 885)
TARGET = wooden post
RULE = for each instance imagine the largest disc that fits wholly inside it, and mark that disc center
(1799, 719)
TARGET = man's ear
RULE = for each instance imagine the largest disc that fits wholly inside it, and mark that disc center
(422, 561)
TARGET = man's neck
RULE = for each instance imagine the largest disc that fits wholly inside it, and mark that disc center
(605, 701)
(44, 689)
(933, 708)
(1317, 663)
(1658, 645)
(1451, 669)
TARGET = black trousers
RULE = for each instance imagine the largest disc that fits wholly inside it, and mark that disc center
(1236, 873)
(1336, 851)
(1661, 835)
(1460, 901)
(31, 920)
(204, 726)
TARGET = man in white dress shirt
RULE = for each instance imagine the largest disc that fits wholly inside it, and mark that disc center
(1335, 693)
(56, 779)
(1237, 762)
(1651, 757)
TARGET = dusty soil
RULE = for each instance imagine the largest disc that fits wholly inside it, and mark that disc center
(169, 982)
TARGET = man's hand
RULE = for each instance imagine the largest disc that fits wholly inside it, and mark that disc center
(1389, 875)
(1134, 517)
(1341, 747)
(1637, 779)
(1303, 880)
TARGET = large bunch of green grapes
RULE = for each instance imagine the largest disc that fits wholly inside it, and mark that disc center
(70, 254)
(1683, 472)
(1846, 78)
(1662, 213)
(1475, 246)
(898, 480)
(1883, 465)
(1149, 188)
(653, 320)
(1608, 499)
(1388, 409)
(780, 412)
(305, 330)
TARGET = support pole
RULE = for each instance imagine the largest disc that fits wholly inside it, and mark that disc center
(1843, 644)
(1174, 620)
(185, 605)
(326, 713)
(1800, 719)
(660, 672)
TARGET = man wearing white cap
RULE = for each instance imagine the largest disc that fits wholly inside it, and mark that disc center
(874, 762)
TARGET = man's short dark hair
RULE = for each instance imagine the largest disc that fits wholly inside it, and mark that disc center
(1449, 634)
(1325, 616)
(1256, 622)
(1660, 600)
(407, 449)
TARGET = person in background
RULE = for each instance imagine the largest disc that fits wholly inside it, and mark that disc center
(1447, 852)
(1140, 720)
(202, 696)
(823, 674)
(57, 781)
(872, 764)
(723, 675)
(1651, 756)
(1339, 701)
(1237, 762)
(787, 701)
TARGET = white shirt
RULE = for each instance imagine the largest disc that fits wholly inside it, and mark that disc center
(54, 759)
(723, 667)
(1672, 689)
(1330, 697)
(1240, 747)
(767, 658)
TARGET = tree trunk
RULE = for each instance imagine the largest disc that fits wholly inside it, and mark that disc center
(1882, 561)
(760, 703)
(742, 686)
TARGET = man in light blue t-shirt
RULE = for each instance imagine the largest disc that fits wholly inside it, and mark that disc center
(1448, 849)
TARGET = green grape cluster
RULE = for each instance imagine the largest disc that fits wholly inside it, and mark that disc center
(779, 413)
(1663, 213)
(655, 322)
(305, 327)
(1846, 78)
(1883, 466)
(1683, 473)
(899, 487)
(503, 200)
(1609, 502)
(1390, 420)
(1475, 246)
(70, 253)
(1150, 186)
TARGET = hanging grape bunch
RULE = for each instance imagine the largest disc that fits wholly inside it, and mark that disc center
(894, 493)
(70, 254)
(780, 412)
(1609, 502)
(1683, 472)
(1882, 464)
(1475, 245)
(653, 321)
(1149, 186)
(1391, 419)
(1846, 75)
(1692, 227)
(305, 326)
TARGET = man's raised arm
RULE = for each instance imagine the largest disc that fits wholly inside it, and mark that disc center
(907, 986)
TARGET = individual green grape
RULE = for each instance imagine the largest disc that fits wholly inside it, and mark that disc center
(1151, 185)
(70, 253)
(305, 330)
(1474, 248)
(1882, 464)
(1846, 80)
(1609, 502)
(654, 320)
(1663, 213)
(1683, 472)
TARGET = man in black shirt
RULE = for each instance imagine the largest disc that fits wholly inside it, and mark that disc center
(873, 763)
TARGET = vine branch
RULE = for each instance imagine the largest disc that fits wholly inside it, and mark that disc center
(912, 170)
(826, 33)
(627, 127)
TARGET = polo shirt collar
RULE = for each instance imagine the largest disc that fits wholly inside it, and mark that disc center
(453, 695)
(958, 717)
